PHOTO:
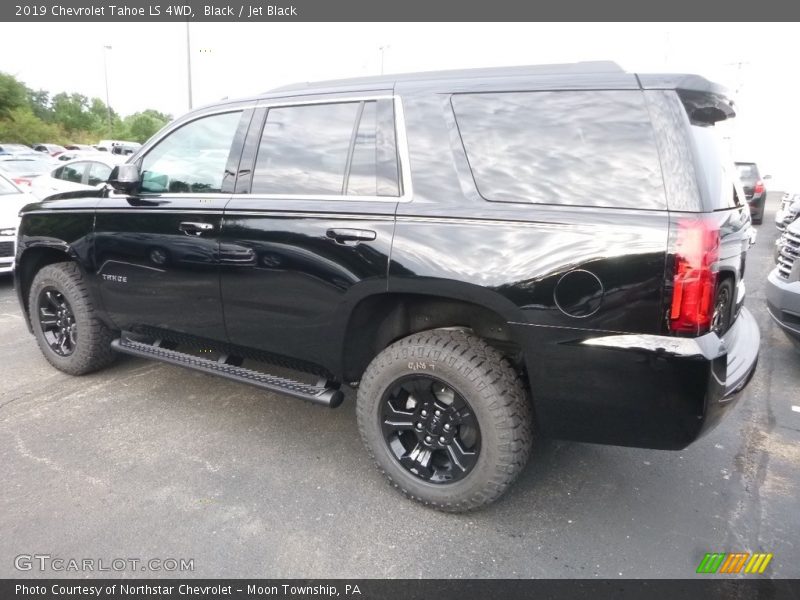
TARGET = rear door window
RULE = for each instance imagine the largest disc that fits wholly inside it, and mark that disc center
(579, 148)
(335, 149)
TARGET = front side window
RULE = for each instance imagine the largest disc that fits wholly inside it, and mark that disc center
(191, 158)
(334, 149)
(580, 148)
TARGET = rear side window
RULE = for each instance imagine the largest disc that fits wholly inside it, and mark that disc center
(74, 172)
(580, 148)
(328, 149)
(719, 178)
(98, 173)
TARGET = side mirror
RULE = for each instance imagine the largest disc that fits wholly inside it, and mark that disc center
(767, 177)
(125, 179)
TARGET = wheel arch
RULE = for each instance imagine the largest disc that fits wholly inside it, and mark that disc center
(32, 260)
(380, 319)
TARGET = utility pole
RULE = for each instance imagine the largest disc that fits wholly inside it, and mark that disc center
(739, 80)
(382, 50)
(189, 63)
(108, 101)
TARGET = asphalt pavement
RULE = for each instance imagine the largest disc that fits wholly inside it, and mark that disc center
(149, 461)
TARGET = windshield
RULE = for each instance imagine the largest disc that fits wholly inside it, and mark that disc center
(25, 167)
(6, 187)
(15, 148)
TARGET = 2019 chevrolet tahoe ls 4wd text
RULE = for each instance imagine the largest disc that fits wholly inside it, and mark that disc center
(482, 253)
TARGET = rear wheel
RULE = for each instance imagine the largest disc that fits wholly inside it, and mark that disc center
(723, 305)
(63, 319)
(446, 419)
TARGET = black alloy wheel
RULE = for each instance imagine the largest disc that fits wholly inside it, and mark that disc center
(57, 321)
(70, 333)
(721, 318)
(446, 418)
(430, 429)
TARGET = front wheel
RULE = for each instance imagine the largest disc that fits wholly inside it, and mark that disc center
(64, 321)
(446, 419)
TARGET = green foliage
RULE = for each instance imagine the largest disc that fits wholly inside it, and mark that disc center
(22, 126)
(143, 125)
(13, 94)
(28, 116)
(40, 104)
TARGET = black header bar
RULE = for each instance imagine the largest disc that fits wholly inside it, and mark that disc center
(398, 10)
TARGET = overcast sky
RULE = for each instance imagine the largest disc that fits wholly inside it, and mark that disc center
(147, 62)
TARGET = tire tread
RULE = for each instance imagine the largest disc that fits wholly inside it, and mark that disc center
(507, 400)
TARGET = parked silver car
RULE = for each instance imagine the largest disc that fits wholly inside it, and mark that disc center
(12, 199)
(788, 211)
(783, 283)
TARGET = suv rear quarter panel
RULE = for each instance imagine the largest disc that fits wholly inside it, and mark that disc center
(515, 256)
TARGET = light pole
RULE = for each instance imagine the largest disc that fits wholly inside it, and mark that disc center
(382, 49)
(189, 63)
(108, 101)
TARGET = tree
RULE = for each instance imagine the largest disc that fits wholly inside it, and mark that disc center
(39, 102)
(73, 112)
(143, 125)
(13, 94)
(21, 126)
(31, 116)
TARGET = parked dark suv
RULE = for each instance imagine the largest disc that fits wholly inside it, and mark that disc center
(483, 254)
(754, 190)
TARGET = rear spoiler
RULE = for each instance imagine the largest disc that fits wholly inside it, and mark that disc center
(705, 108)
(705, 102)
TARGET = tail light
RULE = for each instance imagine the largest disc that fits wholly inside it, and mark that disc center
(694, 280)
(759, 188)
(22, 181)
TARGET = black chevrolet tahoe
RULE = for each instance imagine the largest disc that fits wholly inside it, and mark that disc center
(486, 255)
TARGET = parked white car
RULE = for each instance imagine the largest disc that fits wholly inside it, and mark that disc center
(87, 172)
(12, 199)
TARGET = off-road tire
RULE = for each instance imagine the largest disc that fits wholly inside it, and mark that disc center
(93, 338)
(494, 391)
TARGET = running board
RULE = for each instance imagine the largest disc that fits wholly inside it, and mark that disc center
(318, 394)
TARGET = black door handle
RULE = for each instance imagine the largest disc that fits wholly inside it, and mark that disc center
(342, 236)
(195, 228)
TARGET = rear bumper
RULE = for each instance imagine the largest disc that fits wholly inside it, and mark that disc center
(646, 391)
(756, 203)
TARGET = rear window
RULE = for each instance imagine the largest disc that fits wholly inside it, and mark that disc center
(747, 171)
(581, 148)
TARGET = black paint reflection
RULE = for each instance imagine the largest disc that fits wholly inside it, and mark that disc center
(576, 148)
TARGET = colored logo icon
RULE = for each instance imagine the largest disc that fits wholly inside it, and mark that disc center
(734, 562)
